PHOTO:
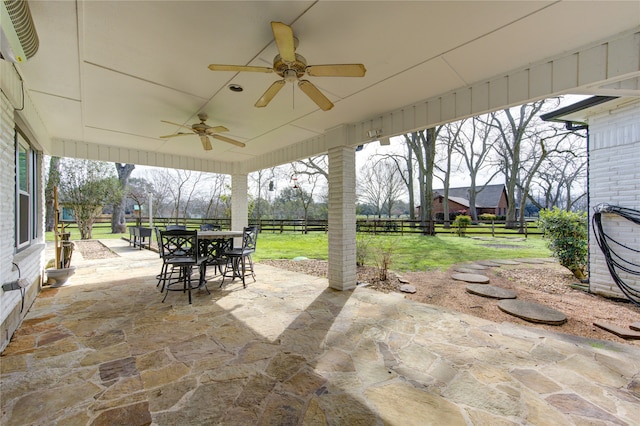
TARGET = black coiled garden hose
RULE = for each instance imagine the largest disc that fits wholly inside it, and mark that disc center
(615, 262)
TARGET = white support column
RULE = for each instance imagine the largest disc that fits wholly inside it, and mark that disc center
(239, 201)
(342, 218)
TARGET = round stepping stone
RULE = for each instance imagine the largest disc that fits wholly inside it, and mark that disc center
(532, 312)
(471, 278)
(474, 266)
(407, 288)
(505, 262)
(487, 263)
(465, 270)
(491, 291)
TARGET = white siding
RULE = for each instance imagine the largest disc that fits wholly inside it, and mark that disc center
(30, 260)
(614, 178)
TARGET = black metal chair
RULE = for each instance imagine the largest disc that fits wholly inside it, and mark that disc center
(238, 258)
(176, 228)
(164, 274)
(214, 250)
(180, 250)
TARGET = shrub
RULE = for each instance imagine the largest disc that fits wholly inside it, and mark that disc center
(567, 233)
(462, 222)
(363, 243)
(452, 215)
(487, 216)
(384, 253)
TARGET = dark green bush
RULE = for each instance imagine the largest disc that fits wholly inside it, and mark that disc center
(567, 233)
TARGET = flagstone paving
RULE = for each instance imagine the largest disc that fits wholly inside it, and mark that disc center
(288, 350)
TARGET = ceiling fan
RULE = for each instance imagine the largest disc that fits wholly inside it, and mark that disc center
(292, 66)
(204, 131)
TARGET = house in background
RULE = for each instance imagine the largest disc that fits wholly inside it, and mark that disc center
(490, 199)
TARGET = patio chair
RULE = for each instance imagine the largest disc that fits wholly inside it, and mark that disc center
(164, 274)
(238, 258)
(210, 227)
(180, 250)
(215, 252)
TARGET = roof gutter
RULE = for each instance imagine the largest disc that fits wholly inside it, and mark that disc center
(570, 109)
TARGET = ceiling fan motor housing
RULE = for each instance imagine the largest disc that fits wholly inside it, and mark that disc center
(281, 67)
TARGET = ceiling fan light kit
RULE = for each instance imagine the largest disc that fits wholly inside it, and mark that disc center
(291, 67)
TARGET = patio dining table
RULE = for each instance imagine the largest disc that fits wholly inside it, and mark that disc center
(213, 244)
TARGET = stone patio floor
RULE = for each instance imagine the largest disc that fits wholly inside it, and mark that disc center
(287, 350)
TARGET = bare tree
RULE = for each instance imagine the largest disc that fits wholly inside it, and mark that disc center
(474, 143)
(369, 184)
(382, 184)
(53, 180)
(263, 181)
(312, 166)
(513, 126)
(562, 173)
(310, 184)
(159, 185)
(423, 145)
(404, 165)
(118, 219)
(216, 185)
(448, 139)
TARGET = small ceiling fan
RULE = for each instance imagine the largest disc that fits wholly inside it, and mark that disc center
(204, 131)
(291, 67)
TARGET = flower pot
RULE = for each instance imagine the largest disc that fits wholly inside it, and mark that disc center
(59, 276)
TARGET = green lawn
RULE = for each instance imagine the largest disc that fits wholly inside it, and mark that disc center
(409, 252)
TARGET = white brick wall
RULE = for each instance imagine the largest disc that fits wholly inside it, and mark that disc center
(342, 218)
(614, 178)
(29, 260)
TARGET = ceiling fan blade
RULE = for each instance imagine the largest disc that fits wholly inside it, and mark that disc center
(270, 93)
(316, 95)
(218, 67)
(176, 124)
(176, 134)
(216, 129)
(336, 70)
(206, 143)
(283, 34)
(228, 140)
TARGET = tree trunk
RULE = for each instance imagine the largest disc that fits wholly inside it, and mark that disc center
(54, 180)
(412, 201)
(430, 153)
(118, 219)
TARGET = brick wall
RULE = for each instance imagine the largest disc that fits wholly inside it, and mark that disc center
(30, 260)
(342, 218)
(614, 178)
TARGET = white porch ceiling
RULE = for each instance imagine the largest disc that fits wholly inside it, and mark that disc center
(107, 72)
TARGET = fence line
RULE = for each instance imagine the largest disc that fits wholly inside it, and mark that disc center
(372, 226)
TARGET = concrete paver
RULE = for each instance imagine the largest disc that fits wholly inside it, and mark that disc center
(103, 349)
